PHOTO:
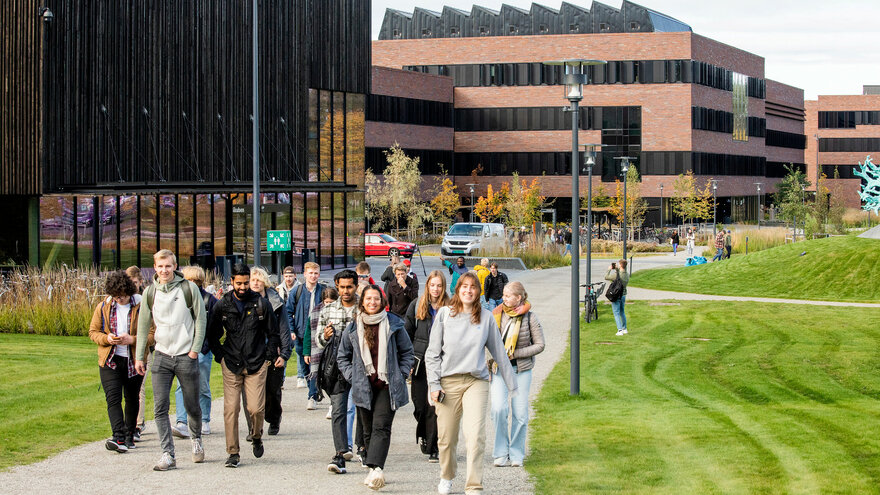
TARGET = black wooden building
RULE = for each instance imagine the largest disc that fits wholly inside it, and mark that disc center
(125, 127)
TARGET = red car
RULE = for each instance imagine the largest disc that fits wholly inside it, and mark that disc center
(385, 245)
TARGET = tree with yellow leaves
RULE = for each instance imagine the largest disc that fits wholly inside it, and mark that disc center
(491, 207)
(636, 206)
(446, 202)
(524, 202)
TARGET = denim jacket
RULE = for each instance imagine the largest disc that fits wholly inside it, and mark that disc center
(400, 361)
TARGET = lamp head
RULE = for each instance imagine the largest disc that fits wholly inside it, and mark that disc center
(47, 15)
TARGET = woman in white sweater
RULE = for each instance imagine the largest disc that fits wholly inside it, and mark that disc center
(458, 379)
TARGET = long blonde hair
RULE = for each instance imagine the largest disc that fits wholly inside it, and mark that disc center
(425, 301)
(458, 306)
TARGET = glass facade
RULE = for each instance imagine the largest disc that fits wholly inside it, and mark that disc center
(113, 231)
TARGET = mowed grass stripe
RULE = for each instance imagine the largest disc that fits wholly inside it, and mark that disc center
(774, 402)
(834, 269)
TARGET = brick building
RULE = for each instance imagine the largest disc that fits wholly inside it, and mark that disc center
(676, 100)
(843, 130)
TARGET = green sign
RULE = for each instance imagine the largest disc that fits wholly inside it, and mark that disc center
(278, 240)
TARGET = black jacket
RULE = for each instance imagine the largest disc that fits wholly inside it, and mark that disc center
(399, 297)
(210, 301)
(419, 331)
(252, 338)
(493, 287)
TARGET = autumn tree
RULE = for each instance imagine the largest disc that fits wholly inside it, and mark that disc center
(636, 206)
(490, 208)
(396, 196)
(689, 200)
(790, 195)
(446, 201)
(524, 202)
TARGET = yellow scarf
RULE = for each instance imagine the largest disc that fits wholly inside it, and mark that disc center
(515, 315)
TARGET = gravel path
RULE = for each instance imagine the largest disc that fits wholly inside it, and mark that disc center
(296, 459)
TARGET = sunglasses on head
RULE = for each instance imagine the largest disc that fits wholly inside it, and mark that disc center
(363, 276)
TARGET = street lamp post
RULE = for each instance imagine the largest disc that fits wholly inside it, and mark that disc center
(256, 133)
(661, 206)
(589, 154)
(714, 207)
(472, 200)
(624, 167)
(804, 208)
(573, 83)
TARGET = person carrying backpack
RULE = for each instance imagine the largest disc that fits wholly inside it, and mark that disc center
(300, 304)
(618, 275)
(252, 341)
(334, 318)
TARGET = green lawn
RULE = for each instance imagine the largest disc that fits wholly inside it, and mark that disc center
(776, 399)
(833, 269)
(51, 397)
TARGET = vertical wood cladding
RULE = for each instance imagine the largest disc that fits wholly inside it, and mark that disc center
(157, 93)
(20, 45)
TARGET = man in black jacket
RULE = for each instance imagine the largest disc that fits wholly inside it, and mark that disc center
(493, 287)
(252, 340)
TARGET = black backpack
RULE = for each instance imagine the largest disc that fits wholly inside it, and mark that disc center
(328, 370)
(615, 290)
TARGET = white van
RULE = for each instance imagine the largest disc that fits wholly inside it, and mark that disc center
(469, 238)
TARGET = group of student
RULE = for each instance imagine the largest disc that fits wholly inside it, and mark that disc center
(357, 342)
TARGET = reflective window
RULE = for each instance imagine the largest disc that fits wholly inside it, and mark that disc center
(355, 226)
(240, 224)
(149, 230)
(338, 168)
(186, 234)
(168, 222)
(325, 132)
(312, 221)
(56, 230)
(203, 220)
(339, 237)
(220, 226)
(297, 226)
(85, 227)
(354, 136)
(313, 146)
(326, 229)
(128, 231)
(740, 107)
(107, 232)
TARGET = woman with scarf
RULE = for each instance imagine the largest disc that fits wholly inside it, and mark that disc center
(114, 329)
(523, 338)
(419, 318)
(375, 356)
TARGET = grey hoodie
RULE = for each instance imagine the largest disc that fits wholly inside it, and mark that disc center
(176, 331)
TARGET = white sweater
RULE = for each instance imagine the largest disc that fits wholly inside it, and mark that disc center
(457, 346)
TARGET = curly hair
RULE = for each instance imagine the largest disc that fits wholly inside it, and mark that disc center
(118, 284)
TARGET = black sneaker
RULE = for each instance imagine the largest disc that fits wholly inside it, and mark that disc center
(116, 445)
(232, 461)
(258, 448)
(137, 434)
(129, 442)
(434, 457)
(362, 453)
(423, 444)
(337, 465)
(273, 429)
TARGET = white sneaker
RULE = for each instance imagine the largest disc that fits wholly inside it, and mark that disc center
(502, 462)
(377, 479)
(301, 383)
(166, 462)
(329, 413)
(206, 428)
(444, 487)
(369, 476)
(311, 405)
(624, 331)
(198, 450)
(180, 430)
(620, 332)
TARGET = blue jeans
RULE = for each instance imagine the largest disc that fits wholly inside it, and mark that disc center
(567, 250)
(617, 307)
(514, 445)
(493, 303)
(205, 361)
(302, 370)
(718, 255)
(350, 419)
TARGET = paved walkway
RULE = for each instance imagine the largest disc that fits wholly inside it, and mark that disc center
(638, 293)
(296, 460)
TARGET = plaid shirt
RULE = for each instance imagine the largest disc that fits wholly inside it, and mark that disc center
(334, 314)
(719, 240)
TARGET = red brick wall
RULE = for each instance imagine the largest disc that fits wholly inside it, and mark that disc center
(784, 94)
(408, 84)
(721, 55)
(512, 49)
(384, 135)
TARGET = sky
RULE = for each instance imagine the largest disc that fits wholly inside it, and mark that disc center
(824, 47)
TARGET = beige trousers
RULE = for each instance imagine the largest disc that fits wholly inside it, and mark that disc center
(142, 395)
(254, 387)
(465, 405)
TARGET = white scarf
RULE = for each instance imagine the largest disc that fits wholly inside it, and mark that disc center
(380, 318)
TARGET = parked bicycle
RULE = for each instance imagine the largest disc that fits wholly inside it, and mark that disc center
(591, 300)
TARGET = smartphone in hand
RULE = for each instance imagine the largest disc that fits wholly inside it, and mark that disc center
(441, 396)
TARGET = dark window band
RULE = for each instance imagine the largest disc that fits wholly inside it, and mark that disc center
(708, 119)
(843, 171)
(782, 139)
(544, 119)
(865, 145)
(614, 72)
(848, 119)
(394, 109)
